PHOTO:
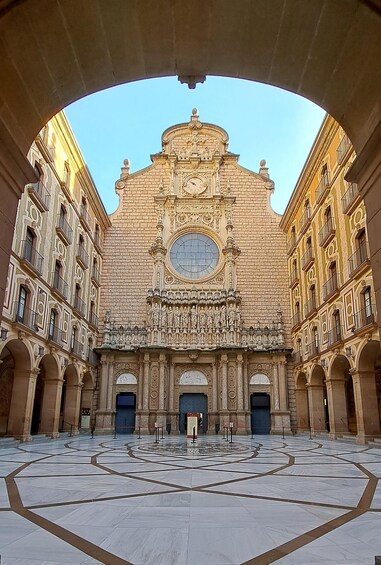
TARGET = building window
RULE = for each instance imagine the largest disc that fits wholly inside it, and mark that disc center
(313, 296)
(21, 304)
(367, 302)
(194, 255)
(29, 245)
(57, 274)
(336, 325)
(361, 246)
(73, 338)
(52, 323)
(324, 174)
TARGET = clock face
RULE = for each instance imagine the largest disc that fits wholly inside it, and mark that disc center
(195, 185)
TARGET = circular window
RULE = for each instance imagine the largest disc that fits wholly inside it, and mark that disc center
(194, 255)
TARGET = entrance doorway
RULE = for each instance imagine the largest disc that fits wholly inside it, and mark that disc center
(196, 404)
(260, 413)
(125, 413)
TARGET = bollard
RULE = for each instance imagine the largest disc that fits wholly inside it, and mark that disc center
(283, 432)
(194, 435)
(223, 432)
(227, 433)
(139, 433)
(231, 435)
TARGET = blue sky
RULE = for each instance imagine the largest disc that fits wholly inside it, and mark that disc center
(263, 122)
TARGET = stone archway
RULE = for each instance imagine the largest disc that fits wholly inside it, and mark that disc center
(70, 400)
(367, 391)
(86, 400)
(17, 387)
(47, 397)
(86, 51)
(341, 404)
(317, 400)
(301, 395)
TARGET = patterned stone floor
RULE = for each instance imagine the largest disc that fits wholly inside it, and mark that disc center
(125, 500)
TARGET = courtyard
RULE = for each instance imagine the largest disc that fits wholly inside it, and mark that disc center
(256, 500)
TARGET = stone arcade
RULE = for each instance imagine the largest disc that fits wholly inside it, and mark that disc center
(194, 294)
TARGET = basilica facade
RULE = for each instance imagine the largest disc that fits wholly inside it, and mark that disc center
(194, 299)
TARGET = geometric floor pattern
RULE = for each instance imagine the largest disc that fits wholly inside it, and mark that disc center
(133, 501)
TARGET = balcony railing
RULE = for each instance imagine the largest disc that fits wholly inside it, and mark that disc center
(76, 347)
(40, 195)
(64, 230)
(93, 319)
(342, 149)
(305, 219)
(55, 334)
(295, 321)
(84, 216)
(334, 336)
(60, 285)
(331, 286)
(80, 306)
(350, 198)
(25, 316)
(95, 276)
(31, 257)
(327, 232)
(310, 307)
(98, 240)
(322, 189)
(308, 259)
(92, 357)
(291, 243)
(82, 257)
(359, 258)
(298, 357)
(364, 317)
(294, 277)
(313, 348)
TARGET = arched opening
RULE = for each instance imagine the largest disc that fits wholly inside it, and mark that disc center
(86, 401)
(367, 391)
(301, 395)
(341, 402)
(70, 400)
(47, 398)
(17, 384)
(318, 401)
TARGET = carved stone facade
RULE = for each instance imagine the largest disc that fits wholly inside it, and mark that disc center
(186, 292)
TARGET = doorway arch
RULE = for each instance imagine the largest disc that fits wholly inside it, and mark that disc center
(32, 89)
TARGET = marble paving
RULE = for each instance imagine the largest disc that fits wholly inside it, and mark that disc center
(79, 500)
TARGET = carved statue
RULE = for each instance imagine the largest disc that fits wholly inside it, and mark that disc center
(194, 318)
(170, 317)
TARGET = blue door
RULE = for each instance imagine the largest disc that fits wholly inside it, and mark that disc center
(125, 413)
(260, 413)
(194, 404)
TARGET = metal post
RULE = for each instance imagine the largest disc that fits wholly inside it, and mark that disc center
(139, 433)
(156, 436)
(310, 433)
(194, 435)
(162, 432)
(114, 430)
(231, 435)
(283, 432)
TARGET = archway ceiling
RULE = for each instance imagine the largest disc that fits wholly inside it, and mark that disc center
(53, 52)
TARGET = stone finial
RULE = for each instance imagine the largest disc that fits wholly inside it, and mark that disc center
(194, 116)
(263, 170)
(125, 170)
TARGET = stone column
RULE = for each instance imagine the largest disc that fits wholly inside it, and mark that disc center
(144, 418)
(139, 397)
(366, 402)
(337, 407)
(162, 412)
(21, 409)
(277, 414)
(302, 409)
(173, 415)
(316, 407)
(224, 415)
(72, 408)
(241, 420)
(284, 412)
(214, 417)
(51, 403)
(246, 394)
